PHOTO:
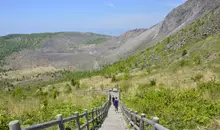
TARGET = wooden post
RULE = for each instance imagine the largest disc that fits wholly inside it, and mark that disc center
(130, 112)
(93, 124)
(142, 121)
(135, 119)
(14, 125)
(96, 113)
(87, 119)
(101, 109)
(61, 125)
(99, 114)
(155, 120)
(77, 121)
(131, 115)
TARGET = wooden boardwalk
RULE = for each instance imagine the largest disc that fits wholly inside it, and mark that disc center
(114, 120)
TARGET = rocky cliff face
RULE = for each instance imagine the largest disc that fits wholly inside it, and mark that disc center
(186, 14)
(177, 19)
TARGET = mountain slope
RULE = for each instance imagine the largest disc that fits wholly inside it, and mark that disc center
(82, 51)
(44, 49)
(178, 79)
(194, 39)
(178, 18)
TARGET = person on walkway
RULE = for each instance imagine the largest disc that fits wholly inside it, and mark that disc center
(116, 104)
(113, 100)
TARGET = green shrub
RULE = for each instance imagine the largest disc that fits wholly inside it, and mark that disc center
(182, 63)
(184, 52)
(75, 83)
(197, 77)
(114, 78)
(176, 108)
(197, 60)
(153, 82)
(68, 88)
(126, 76)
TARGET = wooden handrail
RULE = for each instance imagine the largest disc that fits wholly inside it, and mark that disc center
(96, 114)
(138, 121)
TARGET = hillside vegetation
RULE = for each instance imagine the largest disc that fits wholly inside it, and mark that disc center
(177, 79)
(32, 105)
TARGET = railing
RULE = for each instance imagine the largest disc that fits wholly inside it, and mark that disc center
(97, 114)
(139, 121)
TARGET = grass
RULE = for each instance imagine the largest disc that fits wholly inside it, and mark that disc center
(36, 105)
(178, 81)
(177, 108)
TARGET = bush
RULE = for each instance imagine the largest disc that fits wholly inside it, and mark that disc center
(126, 76)
(68, 88)
(196, 78)
(184, 52)
(182, 63)
(197, 60)
(75, 83)
(176, 108)
(113, 78)
(153, 82)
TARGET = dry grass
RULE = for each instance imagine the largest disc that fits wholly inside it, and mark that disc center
(96, 81)
(18, 108)
(18, 74)
(180, 78)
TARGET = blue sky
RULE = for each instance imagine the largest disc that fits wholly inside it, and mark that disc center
(111, 17)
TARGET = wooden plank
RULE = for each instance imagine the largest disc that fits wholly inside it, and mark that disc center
(43, 125)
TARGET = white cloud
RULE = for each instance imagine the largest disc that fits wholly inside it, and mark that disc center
(111, 5)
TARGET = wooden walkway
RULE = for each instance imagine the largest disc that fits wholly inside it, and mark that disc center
(114, 120)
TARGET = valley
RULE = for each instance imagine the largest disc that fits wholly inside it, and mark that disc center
(171, 70)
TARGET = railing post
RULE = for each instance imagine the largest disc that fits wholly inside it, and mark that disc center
(142, 121)
(99, 113)
(155, 120)
(130, 114)
(93, 124)
(77, 121)
(60, 118)
(101, 110)
(87, 120)
(135, 119)
(14, 125)
(96, 113)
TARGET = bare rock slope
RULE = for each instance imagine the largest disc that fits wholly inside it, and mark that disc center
(177, 19)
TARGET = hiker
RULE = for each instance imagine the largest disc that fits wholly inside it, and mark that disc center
(113, 100)
(116, 104)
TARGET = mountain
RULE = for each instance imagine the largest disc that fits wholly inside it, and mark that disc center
(60, 50)
(194, 45)
(88, 51)
(177, 79)
(177, 19)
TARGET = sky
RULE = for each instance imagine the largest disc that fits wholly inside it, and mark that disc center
(112, 17)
